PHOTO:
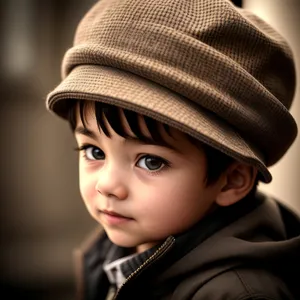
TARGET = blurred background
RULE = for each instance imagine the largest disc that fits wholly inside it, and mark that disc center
(42, 216)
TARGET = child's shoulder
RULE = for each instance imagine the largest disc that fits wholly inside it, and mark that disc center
(249, 258)
(244, 283)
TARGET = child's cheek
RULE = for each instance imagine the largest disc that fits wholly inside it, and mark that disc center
(87, 189)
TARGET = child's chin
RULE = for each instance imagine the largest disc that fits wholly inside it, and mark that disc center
(122, 241)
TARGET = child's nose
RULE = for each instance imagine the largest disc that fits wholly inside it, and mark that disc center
(111, 183)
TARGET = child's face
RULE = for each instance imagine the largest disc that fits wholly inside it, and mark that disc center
(157, 191)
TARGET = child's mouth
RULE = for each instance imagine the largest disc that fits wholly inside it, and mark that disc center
(113, 218)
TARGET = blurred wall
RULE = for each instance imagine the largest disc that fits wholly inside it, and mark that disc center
(42, 215)
(285, 17)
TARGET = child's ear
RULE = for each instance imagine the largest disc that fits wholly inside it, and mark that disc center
(239, 180)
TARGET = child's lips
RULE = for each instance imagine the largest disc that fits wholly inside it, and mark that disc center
(112, 213)
(114, 218)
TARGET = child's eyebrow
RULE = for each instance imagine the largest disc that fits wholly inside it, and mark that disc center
(146, 141)
(86, 132)
(149, 141)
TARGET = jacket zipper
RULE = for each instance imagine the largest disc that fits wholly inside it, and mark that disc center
(154, 257)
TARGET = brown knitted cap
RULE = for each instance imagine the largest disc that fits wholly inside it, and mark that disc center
(211, 70)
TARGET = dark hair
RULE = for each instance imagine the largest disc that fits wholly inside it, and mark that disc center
(217, 162)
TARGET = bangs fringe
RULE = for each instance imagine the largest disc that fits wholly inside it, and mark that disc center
(112, 114)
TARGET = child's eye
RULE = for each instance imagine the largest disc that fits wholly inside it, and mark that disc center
(91, 152)
(151, 163)
(94, 153)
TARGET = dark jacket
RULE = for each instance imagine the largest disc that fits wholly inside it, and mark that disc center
(250, 250)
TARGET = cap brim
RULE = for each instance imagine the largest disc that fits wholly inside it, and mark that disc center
(127, 90)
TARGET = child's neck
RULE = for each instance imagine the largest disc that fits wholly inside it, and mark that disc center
(143, 247)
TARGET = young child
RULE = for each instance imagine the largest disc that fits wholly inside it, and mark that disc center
(179, 108)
